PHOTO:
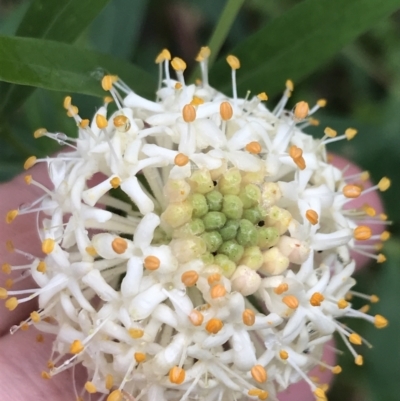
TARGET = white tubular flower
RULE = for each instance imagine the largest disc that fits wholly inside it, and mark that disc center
(210, 259)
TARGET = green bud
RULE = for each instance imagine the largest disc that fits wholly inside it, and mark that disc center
(193, 227)
(227, 266)
(177, 214)
(214, 200)
(267, 237)
(207, 258)
(229, 230)
(250, 195)
(201, 181)
(199, 204)
(229, 183)
(232, 249)
(278, 218)
(252, 258)
(247, 234)
(253, 215)
(214, 220)
(232, 207)
(213, 240)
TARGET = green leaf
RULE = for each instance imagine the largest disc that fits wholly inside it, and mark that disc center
(62, 21)
(297, 43)
(61, 67)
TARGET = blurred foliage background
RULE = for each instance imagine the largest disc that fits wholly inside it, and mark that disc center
(345, 51)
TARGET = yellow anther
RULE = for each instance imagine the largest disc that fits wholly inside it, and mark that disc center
(384, 184)
(263, 395)
(354, 338)
(196, 101)
(283, 354)
(248, 317)
(362, 233)
(316, 299)
(369, 210)
(139, 357)
(28, 179)
(164, 55)
(45, 375)
(290, 301)
(73, 111)
(90, 388)
(312, 216)
(35, 317)
(121, 121)
(233, 62)
(178, 85)
(330, 132)
(9, 283)
(107, 81)
(213, 326)
(358, 360)
(115, 395)
(115, 182)
(48, 245)
(213, 278)
(336, 370)
(76, 347)
(381, 258)
(203, 54)
(3, 293)
(177, 375)
(385, 236)
(151, 262)
(320, 393)
(10, 246)
(383, 217)
(295, 152)
(380, 322)
(107, 99)
(136, 333)
(84, 123)
(196, 317)
(374, 299)
(190, 278)
(254, 392)
(41, 267)
(226, 111)
(181, 160)
(11, 303)
(101, 121)
(314, 122)
(189, 113)
(67, 102)
(119, 245)
(321, 102)
(39, 338)
(300, 163)
(39, 133)
(263, 96)
(283, 287)
(24, 326)
(11, 215)
(178, 64)
(301, 110)
(289, 85)
(30, 162)
(258, 373)
(253, 147)
(350, 133)
(364, 176)
(109, 382)
(6, 268)
(342, 303)
(217, 291)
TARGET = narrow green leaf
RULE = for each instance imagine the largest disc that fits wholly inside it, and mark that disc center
(61, 67)
(297, 43)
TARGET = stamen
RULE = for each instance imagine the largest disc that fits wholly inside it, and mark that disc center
(329, 132)
(188, 113)
(30, 162)
(108, 81)
(290, 301)
(76, 347)
(226, 111)
(136, 333)
(301, 110)
(116, 395)
(48, 245)
(262, 96)
(11, 215)
(151, 263)
(139, 357)
(190, 278)
(283, 354)
(101, 121)
(177, 375)
(253, 147)
(312, 216)
(90, 387)
(39, 133)
(350, 133)
(258, 373)
(234, 63)
(283, 287)
(181, 160)
(196, 317)
(316, 299)
(248, 317)
(213, 326)
(217, 291)
(362, 233)
(119, 245)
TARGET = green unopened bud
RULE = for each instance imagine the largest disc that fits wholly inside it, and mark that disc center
(213, 240)
(232, 249)
(250, 195)
(207, 258)
(247, 234)
(201, 181)
(199, 204)
(252, 258)
(230, 229)
(177, 214)
(214, 200)
(256, 177)
(232, 207)
(267, 237)
(253, 214)
(176, 190)
(214, 220)
(193, 227)
(227, 266)
(278, 218)
(185, 250)
(229, 183)
(271, 193)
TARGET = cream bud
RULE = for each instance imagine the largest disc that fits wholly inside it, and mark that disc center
(295, 250)
(245, 280)
(274, 262)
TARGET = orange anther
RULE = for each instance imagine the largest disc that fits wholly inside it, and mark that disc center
(196, 317)
(139, 357)
(312, 216)
(301, 110)
(213, 326)
(190, 278)
(253, 147)
(136, 333)
(226, 111)
(48, 245)
(248, 317)
(177, 375)
(181, 160)
(115, 182)
(119, 245)
(189, 113)
(151, 263)
(351, 191)
(362, 233)
(76, 347)
(218, 291)
(29, 162)
(316, 299)
(213, 278)
(233, 62)
(101, 121)
(258, 373)
(283, 287)
(290, 301)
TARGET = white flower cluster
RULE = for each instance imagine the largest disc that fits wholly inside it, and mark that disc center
(210, 259)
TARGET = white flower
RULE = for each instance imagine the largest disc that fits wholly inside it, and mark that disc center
(217, 199)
